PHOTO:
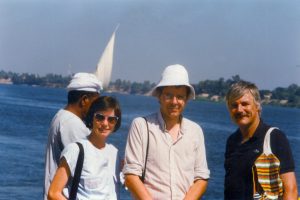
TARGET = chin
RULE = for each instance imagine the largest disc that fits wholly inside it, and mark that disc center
(242, 122)
(106, 133)
(174, 115)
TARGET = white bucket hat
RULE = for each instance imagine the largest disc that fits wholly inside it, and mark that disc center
(174, 75)
(85, 82)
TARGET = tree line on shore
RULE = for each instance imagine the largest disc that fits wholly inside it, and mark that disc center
(211, 90)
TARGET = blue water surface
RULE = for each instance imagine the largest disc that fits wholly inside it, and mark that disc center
(26, 112)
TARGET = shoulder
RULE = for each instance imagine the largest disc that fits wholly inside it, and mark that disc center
(69, 118)
(112, 148)
(63, 114)
(140, 122)
(70, 150)
(70, 154)
(112, 151)
(150, 118)
(65, 118)
(281, 148)
(234, 137)
(73, 124)
(278, 137)
(192, 129)
(276, 132)
(232, 142)
(191, 125)
(58, 118)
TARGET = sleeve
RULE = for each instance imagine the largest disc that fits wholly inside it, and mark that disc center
(281, 148)
(201, 168)
(228, 150)
(70, 153)
(133, 163)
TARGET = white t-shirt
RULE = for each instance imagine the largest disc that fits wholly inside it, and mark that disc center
(66, 128)
(100, 172)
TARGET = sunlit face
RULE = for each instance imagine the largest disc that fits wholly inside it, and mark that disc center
(172, 101)
(104, 122)
(244, 111)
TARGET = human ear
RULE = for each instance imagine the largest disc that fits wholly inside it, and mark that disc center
(84, 100)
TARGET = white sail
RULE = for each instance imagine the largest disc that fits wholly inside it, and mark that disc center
(104, 66)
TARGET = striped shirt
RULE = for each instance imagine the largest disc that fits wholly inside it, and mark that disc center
(172, 166)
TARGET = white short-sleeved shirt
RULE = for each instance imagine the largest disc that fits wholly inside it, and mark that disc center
(100, 172)
(172, 167)
(66, 128)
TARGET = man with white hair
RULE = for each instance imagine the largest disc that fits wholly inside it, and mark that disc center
(258, 159)
(67, 125)
(165, 154)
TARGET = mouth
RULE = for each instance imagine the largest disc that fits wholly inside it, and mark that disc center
(104, 130)
(174, 108)
(240, 116)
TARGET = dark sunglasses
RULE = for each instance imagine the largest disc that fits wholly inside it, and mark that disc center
(111, 119)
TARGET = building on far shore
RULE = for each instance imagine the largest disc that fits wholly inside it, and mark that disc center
(5, 81)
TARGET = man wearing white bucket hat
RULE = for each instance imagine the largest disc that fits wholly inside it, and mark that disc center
(67, 125)
(165, 154)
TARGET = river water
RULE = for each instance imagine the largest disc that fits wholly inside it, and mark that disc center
(26, 112)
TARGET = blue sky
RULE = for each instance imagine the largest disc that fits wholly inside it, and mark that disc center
(258, 40)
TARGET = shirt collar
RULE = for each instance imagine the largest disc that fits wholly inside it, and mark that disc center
(162, 123)
(258, 133)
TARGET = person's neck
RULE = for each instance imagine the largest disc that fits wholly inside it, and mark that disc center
(248, 131)
(98, 143)
(74, 109)
(171, 122)
(172, 127)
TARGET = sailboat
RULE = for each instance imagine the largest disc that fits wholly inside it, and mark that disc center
(104, 66)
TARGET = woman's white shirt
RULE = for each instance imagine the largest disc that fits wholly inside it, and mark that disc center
(100, 172)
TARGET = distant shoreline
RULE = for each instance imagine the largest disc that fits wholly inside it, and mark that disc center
(6, 81)
(207, 90)
(212, 99)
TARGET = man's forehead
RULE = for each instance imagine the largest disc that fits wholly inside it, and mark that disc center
(244, 97)
(175, 87)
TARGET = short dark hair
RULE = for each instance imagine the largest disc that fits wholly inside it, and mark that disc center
(101, 104)
(75, 95)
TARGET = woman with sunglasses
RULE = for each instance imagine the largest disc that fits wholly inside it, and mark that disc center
(100, 172)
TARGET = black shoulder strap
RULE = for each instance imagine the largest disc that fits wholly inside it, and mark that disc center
(147, 149)
(77, 173)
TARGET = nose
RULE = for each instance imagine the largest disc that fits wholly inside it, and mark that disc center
(174, 100)
(239, 108)
(105, 122)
